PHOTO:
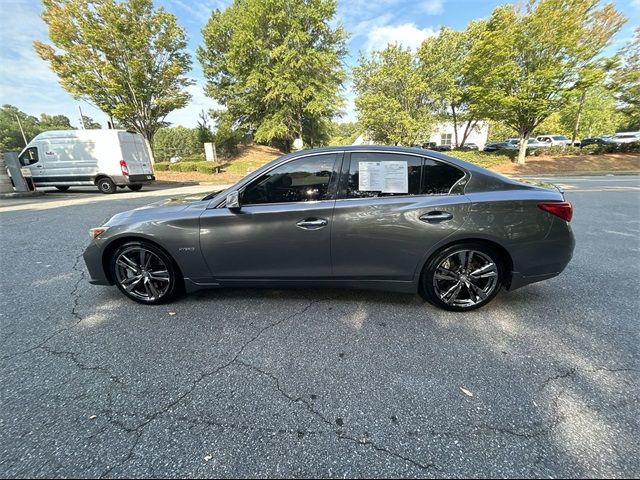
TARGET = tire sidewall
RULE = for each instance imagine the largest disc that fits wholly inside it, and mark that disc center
(135, 187)
(426, 279)
(171, 268)
(103, 182)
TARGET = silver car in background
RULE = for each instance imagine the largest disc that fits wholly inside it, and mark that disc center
(391, 218)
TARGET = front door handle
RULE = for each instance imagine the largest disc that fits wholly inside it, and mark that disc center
(436, 217)
(312, 223)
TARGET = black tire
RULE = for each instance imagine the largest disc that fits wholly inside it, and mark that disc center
(175, 283)
(448, 256)
(135, 187)
(63, 188)
(106, 185)
(122, 187)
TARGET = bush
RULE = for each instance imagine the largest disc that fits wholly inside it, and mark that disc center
(485, 159)
(555, 151)
(599, 149)
(161, 166)
(184, 166)
(207, 167)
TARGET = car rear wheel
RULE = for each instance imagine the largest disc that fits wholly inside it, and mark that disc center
(135, 188)
(144, 273)
(463, 277)
(106, 185)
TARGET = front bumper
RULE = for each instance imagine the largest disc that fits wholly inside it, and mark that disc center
(93, 260)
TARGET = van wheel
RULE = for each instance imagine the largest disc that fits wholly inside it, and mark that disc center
(106, 185)
(63, 188)
(135, 188)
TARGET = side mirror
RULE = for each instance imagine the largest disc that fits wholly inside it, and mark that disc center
(233, 201)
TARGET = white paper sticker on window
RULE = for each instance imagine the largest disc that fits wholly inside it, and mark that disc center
(369, 176)
(395, 177)
(385, 177)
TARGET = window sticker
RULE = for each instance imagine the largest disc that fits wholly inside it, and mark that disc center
(385, 177)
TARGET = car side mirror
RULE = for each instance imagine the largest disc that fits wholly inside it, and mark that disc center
(233, 201)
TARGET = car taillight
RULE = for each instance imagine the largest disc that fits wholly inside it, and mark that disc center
(124, 168)
(564, 210)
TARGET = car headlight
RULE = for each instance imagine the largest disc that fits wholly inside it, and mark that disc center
(97, 231)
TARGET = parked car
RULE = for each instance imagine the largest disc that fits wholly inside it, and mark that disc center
(443, 148)
(429, 145)
(470, 146)
(392, 218)
(494, 147)
(554, 140)
(595, 141)
(531, 143)
(105, 158)
(625, 137)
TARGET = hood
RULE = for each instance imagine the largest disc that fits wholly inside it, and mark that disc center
(160, 209)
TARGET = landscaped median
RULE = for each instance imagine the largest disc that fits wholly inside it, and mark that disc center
(567, 161)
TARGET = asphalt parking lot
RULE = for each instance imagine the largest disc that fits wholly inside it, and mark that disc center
(316, 383)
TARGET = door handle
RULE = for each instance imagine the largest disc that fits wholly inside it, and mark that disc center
(39, 166)
(312, 223)
(436, 217)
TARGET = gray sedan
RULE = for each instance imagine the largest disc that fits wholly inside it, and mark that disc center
(389, 218)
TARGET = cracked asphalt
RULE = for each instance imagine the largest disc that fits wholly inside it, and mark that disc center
(316, 382)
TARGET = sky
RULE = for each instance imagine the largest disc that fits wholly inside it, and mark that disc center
(27, 83)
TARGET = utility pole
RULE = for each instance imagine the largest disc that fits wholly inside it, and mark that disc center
(81, 119)
(22, 131)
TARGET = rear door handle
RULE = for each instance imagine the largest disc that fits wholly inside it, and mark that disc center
(312, 223)
(436, 217)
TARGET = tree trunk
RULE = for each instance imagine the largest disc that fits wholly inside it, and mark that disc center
(522, 151)
(455, 124)
(578, 116)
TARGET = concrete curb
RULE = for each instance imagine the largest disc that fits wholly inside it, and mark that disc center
(21, 194)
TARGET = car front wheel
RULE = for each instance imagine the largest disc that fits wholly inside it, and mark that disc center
(463, 277)
(144, 273)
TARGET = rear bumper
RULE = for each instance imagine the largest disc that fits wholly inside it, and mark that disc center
(134, 179)
(542, 260)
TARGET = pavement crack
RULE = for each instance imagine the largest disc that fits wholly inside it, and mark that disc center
(339, 432)
(138, 430)
(74, 313)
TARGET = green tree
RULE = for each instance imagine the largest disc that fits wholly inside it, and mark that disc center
(275, 66)
(205, 135)
(626, 80)
(392, 102)
(344, 133)
(528, 63)
(90, 123)
(594, 112)
(176, 142)
(10, 135)
(442, 64)
(54, 122)
(125, 57)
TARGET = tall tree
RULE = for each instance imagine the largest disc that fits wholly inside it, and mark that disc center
(10, 134)
(442, 64)
(205, 135)
(593, 113)
(275, 65)
(528, 63)
(54, 122)
(626, 80)
(125, 57)
(90, 123)
(392, 102)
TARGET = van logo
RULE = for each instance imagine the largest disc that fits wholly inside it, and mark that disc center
(49, 153)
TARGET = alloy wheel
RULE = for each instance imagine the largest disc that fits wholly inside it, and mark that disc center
(465, 278)
(142, 274)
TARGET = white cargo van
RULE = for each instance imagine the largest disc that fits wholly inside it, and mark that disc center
(105, 158)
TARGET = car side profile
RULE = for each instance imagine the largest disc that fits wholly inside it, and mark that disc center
(391, 218)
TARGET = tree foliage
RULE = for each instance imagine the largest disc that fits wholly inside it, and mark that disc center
(392, 103)
(275, 66)
(627, 82)
(344, 133)
(125, 57)
(10, 134)
(90, 123)
(527, 63)
(443, 66)
(176, 142)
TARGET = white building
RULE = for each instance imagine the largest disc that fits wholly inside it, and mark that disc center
(443, 135)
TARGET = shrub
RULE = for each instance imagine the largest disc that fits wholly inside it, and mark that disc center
(485, 159)
(184, 166)
(161, 166)
(207, 167)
